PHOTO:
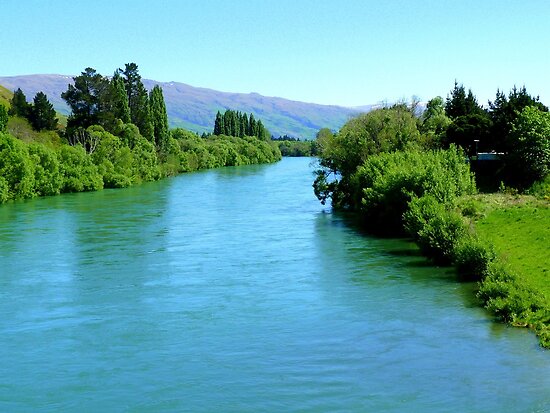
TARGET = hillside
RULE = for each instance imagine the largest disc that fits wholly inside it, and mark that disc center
(195, 108)
(5, 96)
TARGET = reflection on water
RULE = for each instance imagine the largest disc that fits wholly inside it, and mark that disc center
(235, 290)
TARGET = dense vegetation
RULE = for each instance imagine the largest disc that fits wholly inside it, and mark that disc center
(409, 174)
(235, 123)
(295, 147)
(117, 135)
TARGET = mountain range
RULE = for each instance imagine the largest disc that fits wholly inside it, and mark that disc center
(195, 108)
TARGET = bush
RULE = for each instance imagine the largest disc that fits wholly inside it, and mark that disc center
(47, 175)
(383, 186)
(502, 293)
(78, 171)
(473, 257)
(16, 167)
(436, 229)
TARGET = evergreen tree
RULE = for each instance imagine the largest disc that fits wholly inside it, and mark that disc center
(251, 130)
(86, 98)
(470, 122)
(227, 124)
(19, 104)
(119, 99)
(460, 104)
(244, 125)
(138, 100)
(42, 114)
(159, 118)
(504, 111)
(218, 124)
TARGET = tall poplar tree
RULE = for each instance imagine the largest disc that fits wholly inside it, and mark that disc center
(138, 100)
(119, 99)
(159, 118)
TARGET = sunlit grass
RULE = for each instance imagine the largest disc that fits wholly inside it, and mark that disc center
(519, 229)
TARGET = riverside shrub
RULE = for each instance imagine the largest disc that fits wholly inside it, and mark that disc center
(385, 184)
(435, 227)
(472, 257)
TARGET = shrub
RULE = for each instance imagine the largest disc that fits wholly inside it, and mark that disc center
(436, 229)
(78, 171)
(384, 185)
(16, 167)
(503, 293)
(472, 257)
(47, 175)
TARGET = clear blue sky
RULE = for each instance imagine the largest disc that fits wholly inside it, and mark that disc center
(333, 52)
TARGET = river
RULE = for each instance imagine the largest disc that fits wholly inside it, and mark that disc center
(234, 290)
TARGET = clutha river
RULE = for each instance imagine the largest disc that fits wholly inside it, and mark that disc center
(234, 290)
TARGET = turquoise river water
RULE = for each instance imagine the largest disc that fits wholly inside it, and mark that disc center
(234, 290)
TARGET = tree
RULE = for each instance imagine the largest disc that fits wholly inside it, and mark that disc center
(138, 100)
(529, 155)
(434, 121)
(19, 104)
(42, 115)
(340, 155)
(460, 104)
(504, 111)
(3, 118)
(218, 124)
(119, 99)
(470, 122)
(159, 118)
(86, 98)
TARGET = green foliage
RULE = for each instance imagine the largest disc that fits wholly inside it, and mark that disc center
(504, 293)
(234, 123)
(47, 175)
(16, 169)
(78, 172)
(385, 183)
(472, 257)
(113, 159)
(19, 105)
(465, 130)
(434, 121)
(530, 139)
(138, 100)
(159, 119)
(3, 118)
(297, 148)
(42, 115)
(459, 103)
(436, 227)
(86, 98)
(503, 112)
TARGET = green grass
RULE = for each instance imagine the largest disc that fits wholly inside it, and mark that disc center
(518, 226)
(21, 129)
(5, 96)
(519, 229)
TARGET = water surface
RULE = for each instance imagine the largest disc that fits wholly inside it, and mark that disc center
(234, 290)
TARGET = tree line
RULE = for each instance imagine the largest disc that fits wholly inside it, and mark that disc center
(116, 136)
(235, 123)
(40, 114)
(98, 100)
(406, 173)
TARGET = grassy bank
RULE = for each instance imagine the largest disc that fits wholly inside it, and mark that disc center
(519, 230)
(516, 283)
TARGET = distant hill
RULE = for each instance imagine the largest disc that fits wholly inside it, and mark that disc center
(195, 108)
